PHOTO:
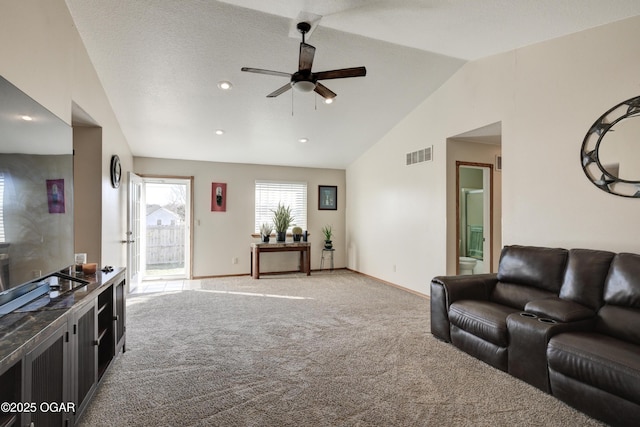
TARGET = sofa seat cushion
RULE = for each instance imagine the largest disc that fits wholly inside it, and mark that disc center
(484, 319)
(598, 360)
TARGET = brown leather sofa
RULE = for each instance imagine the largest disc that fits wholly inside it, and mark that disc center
(565, 321)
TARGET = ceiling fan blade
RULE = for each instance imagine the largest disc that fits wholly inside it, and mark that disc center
(324, 91)
(280, 91)
(307, 53)
(269, 72)
(341, 74)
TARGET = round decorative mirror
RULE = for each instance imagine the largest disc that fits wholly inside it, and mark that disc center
(610, 151)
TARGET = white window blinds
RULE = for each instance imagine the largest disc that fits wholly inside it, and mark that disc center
(270, 193)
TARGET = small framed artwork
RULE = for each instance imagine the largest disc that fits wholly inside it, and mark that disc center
(218, 197)
(327, 197)
(55, 196)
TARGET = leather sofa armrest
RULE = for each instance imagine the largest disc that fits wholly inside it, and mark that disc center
(559, 309)
(448, 289)
(476, 287)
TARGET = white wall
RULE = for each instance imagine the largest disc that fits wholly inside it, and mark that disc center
(546, 96)
(42, 54)
(221, 236)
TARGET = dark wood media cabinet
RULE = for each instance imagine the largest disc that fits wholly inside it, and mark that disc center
(55, 350)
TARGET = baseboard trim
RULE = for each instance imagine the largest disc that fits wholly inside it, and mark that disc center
(219, 276)
(395, 285)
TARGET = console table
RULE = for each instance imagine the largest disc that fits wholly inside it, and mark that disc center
(303, 247)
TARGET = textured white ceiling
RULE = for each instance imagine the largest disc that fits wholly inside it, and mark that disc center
(160, 61)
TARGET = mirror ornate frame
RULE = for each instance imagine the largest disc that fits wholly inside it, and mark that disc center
(607, 165)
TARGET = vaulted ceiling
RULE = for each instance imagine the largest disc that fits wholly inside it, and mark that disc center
(160, 62)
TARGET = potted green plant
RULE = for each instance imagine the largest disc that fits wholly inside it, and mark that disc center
(265, 232)
(328, 233)
(282, 219)
(297, 233)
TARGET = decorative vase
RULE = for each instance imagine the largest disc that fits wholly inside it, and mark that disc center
(281, 236)
(328, 244)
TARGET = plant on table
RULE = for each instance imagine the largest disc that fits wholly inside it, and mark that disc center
(297, 233)
(328, 234)
(282, 219)
(265, 231)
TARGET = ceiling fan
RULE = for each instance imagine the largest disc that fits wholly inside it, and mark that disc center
(304, 80)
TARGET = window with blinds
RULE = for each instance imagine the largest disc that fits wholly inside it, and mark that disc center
(270, 193)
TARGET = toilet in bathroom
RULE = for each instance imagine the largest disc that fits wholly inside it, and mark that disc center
(467, 265)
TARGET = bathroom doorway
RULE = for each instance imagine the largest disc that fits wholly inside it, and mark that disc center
(474, 217)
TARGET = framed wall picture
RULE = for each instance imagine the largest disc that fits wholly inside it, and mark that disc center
(55, 196)
(327, 197)
(218, 197)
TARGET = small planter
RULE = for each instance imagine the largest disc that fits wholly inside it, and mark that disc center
(281, 236)
(328, 234)
(297, 237)
(265, 239)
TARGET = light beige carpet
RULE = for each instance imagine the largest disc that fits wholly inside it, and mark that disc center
(332, 349)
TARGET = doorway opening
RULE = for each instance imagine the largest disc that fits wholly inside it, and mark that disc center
(165, 250)
(478, 240)
(474, 217)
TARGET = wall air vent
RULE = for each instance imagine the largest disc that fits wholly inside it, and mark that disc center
(498, 162)
(424, 155)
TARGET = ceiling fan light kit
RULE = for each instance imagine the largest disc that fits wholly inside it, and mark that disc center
(304, 86)
(304, 80)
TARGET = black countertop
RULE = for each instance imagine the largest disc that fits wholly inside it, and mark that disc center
(24, 325)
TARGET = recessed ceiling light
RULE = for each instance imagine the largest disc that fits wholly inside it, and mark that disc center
(303, 140)
(224, 85)
(26, 118)
(219, 132)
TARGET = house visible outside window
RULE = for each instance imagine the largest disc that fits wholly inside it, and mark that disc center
(270, 193)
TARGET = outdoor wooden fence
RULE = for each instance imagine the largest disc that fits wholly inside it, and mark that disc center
(165, 245)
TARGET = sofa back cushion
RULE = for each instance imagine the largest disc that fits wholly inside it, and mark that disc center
(585, 276)
(517, 296)
(528, 272)
(620, 316)
(538, 267)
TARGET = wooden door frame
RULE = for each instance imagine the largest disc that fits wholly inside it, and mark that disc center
(191, 180)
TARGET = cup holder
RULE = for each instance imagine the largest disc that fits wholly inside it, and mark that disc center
(545, 320)
(529, 315)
